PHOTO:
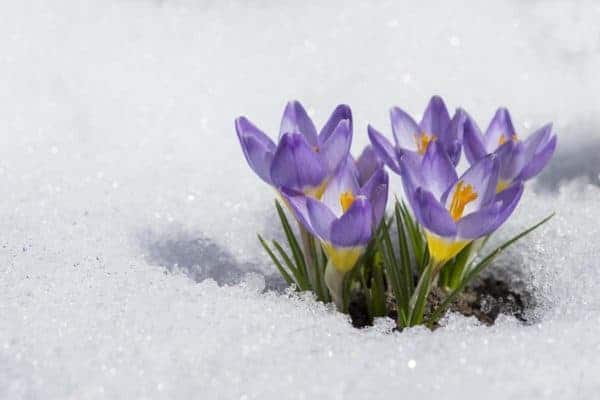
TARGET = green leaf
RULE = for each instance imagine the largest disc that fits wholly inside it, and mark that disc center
(472, 273)
(420, 296)
(280, 268)
(293, 243)
(407, 274)
(300, 280)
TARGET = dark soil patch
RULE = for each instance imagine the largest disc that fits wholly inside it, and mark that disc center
(485, 300)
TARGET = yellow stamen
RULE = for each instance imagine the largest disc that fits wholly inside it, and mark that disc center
(463, 195)
(346, 200)
(423, 142)
(502, 185)
(502, 139)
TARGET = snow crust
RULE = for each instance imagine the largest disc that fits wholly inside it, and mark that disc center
(123, 189)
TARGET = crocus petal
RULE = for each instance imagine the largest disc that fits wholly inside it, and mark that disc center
(539, 160)
(366, 164)
(438, 172)
(483, 178)
(335, 149)
(384, 149)
(435, 118)
(321, 218)
(453, 136)
(376, 190)
(500, 126)
(296, 165)
(511, 160)
(345, 180)
(488, 219)
(432, 214)
(473, 141)
(257, 147)
(354, 228)
(296, 201)
(404, 128)
(296, 120)
(341, 112)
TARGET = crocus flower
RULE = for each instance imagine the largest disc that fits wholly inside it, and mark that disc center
(411, 137)
(344, 220)
(302, 160)
(366, 164)
(519, 159)
(455, 211)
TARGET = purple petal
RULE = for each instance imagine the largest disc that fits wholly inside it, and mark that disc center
(436, 118)
(384, 149)
(376, 190)
(404, 128)
(297, 202)
(483, 178)
(342, 112)
(257, 147)
(453, 136)
(344, 181)
(473, 141)
(366, 164)
(488, 219)
(432, 214)
(296, 120)
(354, 228)
(321, 218)
(296, 165)
(501, 126)
(437, 169)
(539, 160)
(335, 149)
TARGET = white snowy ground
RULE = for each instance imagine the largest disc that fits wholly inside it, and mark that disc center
(119, 167)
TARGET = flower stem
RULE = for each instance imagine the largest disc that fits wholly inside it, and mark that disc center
(334, 280)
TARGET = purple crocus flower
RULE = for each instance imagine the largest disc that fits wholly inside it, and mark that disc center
(346, 217)
(366, 164)
(413, 138)
(519, 159)
(455, 211)
(302, 160)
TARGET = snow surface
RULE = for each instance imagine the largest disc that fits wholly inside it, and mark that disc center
(123, 187)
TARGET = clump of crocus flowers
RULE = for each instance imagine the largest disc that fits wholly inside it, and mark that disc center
(432, 237)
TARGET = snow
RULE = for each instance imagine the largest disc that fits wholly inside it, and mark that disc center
(123, 188)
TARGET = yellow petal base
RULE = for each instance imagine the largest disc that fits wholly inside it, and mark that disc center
(342, 258)
(441, 250)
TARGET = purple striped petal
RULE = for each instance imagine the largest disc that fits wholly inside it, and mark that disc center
(483, 177)
(257, 147)
(384, 149)
(296, 165)
(344, 181)
(321, 218)
(453, 136)
(366, 164)
(335, 149)
(376, 190)
(473, 141)
(354, 228)
(436, 118)
(539, 160)
(511, 160)
(501, 126)
(404, 128)
(296, 120)
(488, 219)
(437, 169)
(342, 112)
(432, 214)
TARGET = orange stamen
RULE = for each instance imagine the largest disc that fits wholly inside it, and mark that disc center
(346, 200)
(423, 142)
(463, 195)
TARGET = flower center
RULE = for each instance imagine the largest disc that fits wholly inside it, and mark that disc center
(503, 139)
(423, 142)
(463, 195)
(346, 200)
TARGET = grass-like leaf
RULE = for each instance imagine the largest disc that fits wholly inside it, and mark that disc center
(278, 265)
(293, 243)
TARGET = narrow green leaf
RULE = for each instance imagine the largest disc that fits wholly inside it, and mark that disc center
(300, 280)
(420, 297)
(278, 265)
(472, 273)
(407, 275)
(293, 243)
